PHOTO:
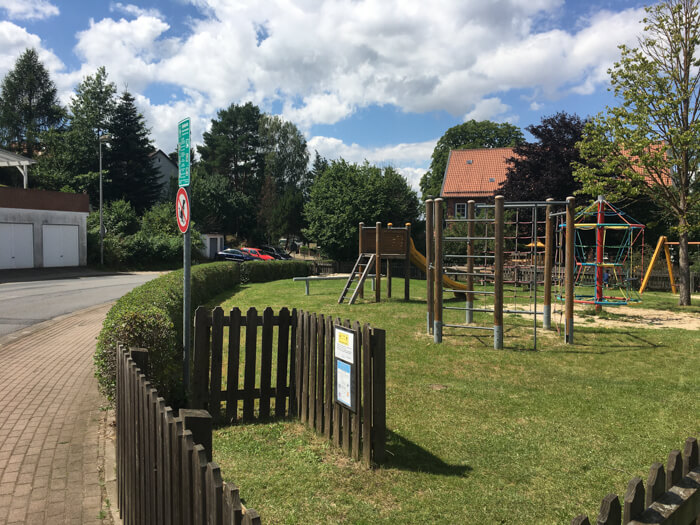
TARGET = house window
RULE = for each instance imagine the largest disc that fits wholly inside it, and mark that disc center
(461, 210)
(492, 179)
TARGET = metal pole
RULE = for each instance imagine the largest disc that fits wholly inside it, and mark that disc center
(569, 279)
(547, 302)
(470, 262)
(186, 306)
(534, 277)
(102, 230)
(429, 261)
(498, 276)
(599, 231)
(437, 316)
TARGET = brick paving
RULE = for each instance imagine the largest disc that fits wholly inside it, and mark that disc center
(50, 414)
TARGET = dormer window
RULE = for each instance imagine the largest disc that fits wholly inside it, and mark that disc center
(492, 179)
(470, 161)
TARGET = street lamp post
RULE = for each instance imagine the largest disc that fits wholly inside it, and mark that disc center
(103, 138)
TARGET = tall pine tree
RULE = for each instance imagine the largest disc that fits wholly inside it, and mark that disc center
(28, 105)
(132, 176)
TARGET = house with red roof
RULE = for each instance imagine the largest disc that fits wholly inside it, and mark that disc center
(473, 174)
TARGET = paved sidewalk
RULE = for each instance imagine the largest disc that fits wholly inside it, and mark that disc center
(50, 456)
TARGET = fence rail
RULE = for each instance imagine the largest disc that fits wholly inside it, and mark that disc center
(164, 470)
(672, 496)
(285, 369)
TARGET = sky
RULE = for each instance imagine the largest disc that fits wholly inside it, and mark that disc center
(380, 80)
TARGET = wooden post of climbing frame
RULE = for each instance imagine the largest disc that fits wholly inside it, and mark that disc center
(388, 269)
(548, 252)
(407, 265)
(569, 268)
(470, 262)
(437, 315)
(361, 268)
(378, 264)
(498, 274)
(429, 240)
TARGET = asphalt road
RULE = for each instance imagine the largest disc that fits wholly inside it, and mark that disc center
(30, 298)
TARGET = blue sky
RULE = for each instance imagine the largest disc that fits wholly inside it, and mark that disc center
(364, 79)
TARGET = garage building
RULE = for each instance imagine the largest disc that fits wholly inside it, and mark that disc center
(41, 229)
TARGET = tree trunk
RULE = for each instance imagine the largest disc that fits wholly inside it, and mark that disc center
(683, 269)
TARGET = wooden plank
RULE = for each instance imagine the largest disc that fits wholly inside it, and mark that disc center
(378, 341)
(176, 470)
(156, 510)
(233, 510)
(266, 364)
(633, 500)
(187, 482)
(366, 396)
(251, 517)
(199, 494)
(282, 363)
(357, 416)
(141, 445)
(128, 451)
(580, 520)
(328, 408)
(304, 398)
(293, 365)
(215, 495)
(251, 336)
(217, 355)
(656, 483)
(320, 370)
(200, 376)
(160, 467)
(167, 417)
(313, 347)
(610, 511)
(121, 426)
(690, 455)
(233, 368)
(674, 468)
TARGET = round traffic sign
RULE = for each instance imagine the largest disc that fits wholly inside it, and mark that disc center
(182, 210)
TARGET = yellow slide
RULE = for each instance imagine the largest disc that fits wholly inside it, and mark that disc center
(418, 260)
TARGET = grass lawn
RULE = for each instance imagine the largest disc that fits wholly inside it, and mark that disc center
(477, 435)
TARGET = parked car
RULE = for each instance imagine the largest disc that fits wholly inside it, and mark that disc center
(255, 252)
(232, 254)
(277, 253)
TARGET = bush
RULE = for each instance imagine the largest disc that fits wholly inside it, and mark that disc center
(150, 316)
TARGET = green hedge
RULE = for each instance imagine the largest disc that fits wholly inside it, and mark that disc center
(150, 316)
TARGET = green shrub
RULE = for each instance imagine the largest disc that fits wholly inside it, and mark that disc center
(150, 316)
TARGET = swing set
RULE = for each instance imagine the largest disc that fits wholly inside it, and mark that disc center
(663, 244)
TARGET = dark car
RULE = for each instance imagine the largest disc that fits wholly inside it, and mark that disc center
(232, 254)
(275, 252)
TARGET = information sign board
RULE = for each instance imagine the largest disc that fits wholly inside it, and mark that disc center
(345, 351)
(183, 152)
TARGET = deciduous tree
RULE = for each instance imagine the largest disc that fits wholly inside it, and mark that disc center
(650, 143)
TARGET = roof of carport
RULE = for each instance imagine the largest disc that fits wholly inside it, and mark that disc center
(7, 158)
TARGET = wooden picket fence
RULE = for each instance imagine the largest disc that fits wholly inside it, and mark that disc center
(672, 495)
(298, 361)
(164, 468)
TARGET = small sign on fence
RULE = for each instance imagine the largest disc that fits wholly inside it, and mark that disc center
(345, 349)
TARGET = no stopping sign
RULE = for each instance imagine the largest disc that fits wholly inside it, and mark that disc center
(182, 210)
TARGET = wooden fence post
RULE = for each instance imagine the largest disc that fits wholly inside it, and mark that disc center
(199, 423)
(498, 273)
(217, 353)
(610, 511)
(266, 364)
(200, 379)
(234, 362)
(378, 263)
(634, 500)
(378, 394)
(251, 340)
(215, 495)
(429, 246)
(407, 265)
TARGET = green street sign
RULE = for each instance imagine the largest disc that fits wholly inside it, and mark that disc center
(183, 152)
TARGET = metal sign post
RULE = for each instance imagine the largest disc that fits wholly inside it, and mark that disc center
(183, 149)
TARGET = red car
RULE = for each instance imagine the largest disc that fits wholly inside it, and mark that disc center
(254, 252)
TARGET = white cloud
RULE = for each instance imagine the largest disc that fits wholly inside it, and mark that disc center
(14, 40)
(410, 159)
(134, 10)
(28, 9)
(536, 106)
(486, 109)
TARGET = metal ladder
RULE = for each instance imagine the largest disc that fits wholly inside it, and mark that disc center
(366, 259)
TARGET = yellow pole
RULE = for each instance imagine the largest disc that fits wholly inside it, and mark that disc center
(670, 268)
(659, 245)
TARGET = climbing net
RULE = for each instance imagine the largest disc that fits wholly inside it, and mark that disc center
(604, 242)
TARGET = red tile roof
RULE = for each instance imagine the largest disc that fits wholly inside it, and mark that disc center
(475, 172)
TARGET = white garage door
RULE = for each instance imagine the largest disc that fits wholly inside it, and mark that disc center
(16, 245)
(60, 242)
